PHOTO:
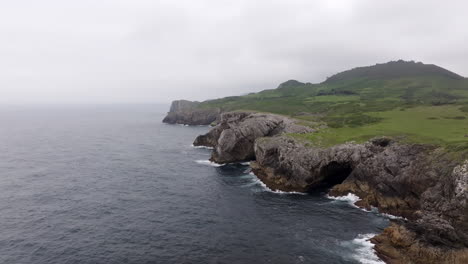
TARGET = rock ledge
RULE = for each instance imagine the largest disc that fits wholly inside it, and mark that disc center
(420, 183)
(234, 137)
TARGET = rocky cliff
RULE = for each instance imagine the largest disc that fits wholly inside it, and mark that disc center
(234, 137)
(189, 113)
(421, 183)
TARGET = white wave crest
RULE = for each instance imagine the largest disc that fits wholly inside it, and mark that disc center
(364, 250)
(352, 199)
(259, 182)
(201, 147)
(209, 163)
(349, 198)
(393, 216)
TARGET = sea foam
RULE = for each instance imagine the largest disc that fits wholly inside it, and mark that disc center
(352, 199)
(257, 181)
(349, 198)
(209, 163)
(393, 216)
(201, 147)
(364, 250)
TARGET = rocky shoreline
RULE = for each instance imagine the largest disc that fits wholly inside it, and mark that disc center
(420, 183)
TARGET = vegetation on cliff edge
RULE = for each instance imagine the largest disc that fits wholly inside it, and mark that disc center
(412, 101)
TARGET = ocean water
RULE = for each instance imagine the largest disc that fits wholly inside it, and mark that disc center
(112, 184)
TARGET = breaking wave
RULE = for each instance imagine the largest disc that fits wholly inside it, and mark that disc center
(363, 249)
(393, 216)
(209, 163)
(349, 198)
(202, 147)
(257, 181)
(352, 199)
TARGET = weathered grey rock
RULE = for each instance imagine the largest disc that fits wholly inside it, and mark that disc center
(421, 183)
(189, 113)
(425, 185)
(460, 174)
(183, 105)
(287, 165)
(234, 136)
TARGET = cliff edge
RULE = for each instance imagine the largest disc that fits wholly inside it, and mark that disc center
(420, 183)
(189, 113)
(234, 137)
(423, 184)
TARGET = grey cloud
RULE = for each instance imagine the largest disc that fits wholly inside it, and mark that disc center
(157, 51)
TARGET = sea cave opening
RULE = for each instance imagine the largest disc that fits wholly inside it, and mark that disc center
(335, 173)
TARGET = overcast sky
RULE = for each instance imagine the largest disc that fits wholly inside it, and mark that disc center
(105, 51)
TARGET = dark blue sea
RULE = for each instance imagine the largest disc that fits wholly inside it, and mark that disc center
(112, 184)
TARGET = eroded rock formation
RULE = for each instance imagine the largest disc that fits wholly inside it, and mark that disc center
(234, 137)
(285, 164)
(426, 185)
(421, 183)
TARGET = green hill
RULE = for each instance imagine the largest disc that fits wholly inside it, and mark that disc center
(413, 101)
(394, 69)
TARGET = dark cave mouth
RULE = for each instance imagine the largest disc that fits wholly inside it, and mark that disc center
(334, 173)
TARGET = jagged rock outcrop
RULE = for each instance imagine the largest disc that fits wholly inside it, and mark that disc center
(421, 183)
(399, 245)
(189, 113)
(234, 136)
(426, 185)
(285, 164)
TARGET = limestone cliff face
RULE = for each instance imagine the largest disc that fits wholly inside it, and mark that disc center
(188, 113)
(234, 137)
(425, 185)
(285, 164)
(420, 183)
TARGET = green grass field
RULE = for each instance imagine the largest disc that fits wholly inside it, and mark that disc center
(438, 125)
(410, 101)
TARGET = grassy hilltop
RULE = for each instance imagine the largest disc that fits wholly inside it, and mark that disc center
(412, 101)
